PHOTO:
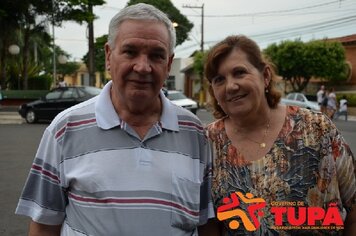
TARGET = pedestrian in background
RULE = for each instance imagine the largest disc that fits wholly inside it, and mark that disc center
(332, 103)
(127, 162)
(342, 108)
(320, 94)
(324, 101)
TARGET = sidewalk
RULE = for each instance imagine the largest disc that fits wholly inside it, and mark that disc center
(9, 115)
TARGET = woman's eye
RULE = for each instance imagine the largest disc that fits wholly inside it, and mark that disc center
(239, 72)
(217, 79)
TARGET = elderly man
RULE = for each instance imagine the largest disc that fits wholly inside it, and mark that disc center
(127, 162)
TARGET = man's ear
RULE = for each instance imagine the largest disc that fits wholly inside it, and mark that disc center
(107, 57)
(170, 61)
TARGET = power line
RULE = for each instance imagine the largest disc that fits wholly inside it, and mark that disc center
(268, 13)
(293, 32)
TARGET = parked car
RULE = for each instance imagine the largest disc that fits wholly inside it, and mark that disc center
(299, 99)
(57, 100)
(180, 99)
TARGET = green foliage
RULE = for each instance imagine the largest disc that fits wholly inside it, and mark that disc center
(350, 97)
(23, 94)
(68, 68)
(199, 61)
(99, 53)
(326, 60)
(25, 23)
(77, 10)
(297, 61)
(40, 82)
(184, 25)
(14, 70)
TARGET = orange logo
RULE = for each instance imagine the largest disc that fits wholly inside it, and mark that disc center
(256, 204)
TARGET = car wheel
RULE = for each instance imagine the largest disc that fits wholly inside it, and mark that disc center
(31, 117)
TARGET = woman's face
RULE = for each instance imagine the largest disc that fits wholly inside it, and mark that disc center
(239, 87)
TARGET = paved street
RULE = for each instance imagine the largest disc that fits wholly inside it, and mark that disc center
(18, 144)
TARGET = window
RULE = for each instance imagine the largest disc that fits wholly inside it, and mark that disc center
(171, 82)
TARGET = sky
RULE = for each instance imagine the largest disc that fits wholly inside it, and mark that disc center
(265, 21)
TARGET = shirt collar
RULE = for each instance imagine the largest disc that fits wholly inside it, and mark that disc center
(107, 117)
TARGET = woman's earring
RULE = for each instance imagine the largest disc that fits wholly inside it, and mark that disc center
(266, 90)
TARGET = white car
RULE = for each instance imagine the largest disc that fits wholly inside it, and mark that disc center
(178, 98)
(299, 99)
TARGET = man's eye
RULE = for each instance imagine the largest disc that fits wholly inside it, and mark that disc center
(129, 52)
(158, 56)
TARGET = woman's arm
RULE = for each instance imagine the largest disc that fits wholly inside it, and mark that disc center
(212, 228)
(350, 222)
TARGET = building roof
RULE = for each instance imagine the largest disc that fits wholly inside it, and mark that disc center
(349, 39)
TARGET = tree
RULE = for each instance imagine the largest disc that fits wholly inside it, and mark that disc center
(298, 62)
(82, 11)
(99, 52)
(29, 17)
(184, 25)
(67, 68)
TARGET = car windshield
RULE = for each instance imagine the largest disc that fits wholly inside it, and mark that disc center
(53, 95)
(176, 96)
(92, 90)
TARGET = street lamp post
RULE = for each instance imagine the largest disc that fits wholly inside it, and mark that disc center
(15, 50)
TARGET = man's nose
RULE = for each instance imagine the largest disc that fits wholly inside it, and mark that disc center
(142, 65)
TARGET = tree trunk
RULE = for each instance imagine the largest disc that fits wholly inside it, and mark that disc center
(91, 55)
(3, 76)
(25, 59)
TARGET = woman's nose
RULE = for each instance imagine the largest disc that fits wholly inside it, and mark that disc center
(232, 84)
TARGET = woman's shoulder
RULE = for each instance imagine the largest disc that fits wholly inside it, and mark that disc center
(216, 125)
(215, 128)
(309, 118)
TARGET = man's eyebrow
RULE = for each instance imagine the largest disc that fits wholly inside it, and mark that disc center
(128, 46)
(159, 49)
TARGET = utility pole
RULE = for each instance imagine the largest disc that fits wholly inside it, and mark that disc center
(202, 24)
(202, 90)
(54, 50)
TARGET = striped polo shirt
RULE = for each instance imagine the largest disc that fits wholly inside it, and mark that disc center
(96, 176)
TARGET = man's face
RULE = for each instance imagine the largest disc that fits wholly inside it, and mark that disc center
(139, 63)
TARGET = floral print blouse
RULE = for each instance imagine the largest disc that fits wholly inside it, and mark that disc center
(309, 163)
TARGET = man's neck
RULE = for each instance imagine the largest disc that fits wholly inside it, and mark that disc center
(140, 120)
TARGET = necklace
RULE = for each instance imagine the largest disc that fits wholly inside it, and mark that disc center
(261, 144)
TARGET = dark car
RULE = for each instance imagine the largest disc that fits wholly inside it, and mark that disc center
(56, 101)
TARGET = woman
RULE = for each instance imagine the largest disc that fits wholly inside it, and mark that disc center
(332, 103)
(267, 152)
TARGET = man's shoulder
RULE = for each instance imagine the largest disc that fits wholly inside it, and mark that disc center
(83, 110)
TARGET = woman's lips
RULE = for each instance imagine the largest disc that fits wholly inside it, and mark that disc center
(235, 98)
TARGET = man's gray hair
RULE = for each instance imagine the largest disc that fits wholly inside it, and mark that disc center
(141, 11)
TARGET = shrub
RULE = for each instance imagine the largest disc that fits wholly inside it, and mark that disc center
(350, 97)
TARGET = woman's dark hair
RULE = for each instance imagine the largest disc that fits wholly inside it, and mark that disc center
(222, 49)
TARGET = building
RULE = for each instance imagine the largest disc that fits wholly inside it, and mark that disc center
(81, 77)
(349, 43)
